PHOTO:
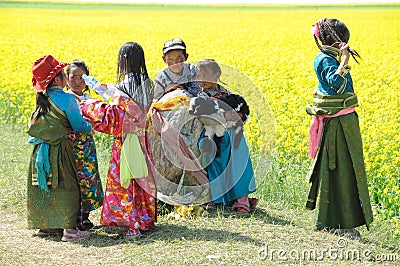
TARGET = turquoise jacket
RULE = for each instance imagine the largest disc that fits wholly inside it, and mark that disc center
(330, 82)
(68, 104)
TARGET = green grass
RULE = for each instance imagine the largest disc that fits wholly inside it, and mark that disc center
(279, 224)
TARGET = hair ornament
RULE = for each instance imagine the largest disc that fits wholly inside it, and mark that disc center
(315, 30)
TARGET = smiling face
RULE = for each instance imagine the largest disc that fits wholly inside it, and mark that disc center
(75, 81)
(174, 59)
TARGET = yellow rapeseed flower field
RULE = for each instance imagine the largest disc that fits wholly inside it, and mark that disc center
(272, 46)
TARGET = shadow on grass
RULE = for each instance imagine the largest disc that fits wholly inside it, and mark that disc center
(107, 236)
(259, 214)
(110, 236)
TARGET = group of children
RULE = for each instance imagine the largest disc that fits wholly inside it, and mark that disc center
(60, 199)
(130, 197)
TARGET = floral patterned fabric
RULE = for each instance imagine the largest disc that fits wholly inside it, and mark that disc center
(88, 172)
(134, 207)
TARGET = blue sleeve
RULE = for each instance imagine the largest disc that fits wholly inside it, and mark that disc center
(68, 104)
(328, 76)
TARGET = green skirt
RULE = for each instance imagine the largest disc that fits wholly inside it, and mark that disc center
(59, 207)
(338, 176)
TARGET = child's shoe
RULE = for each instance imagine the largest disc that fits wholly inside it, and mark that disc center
(132, 233)
(253, 202)
(69, 235)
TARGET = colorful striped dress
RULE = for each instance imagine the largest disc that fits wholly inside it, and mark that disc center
(134, 206)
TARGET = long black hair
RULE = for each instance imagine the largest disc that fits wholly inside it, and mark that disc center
(42, 100)
(333, 31)
(132, 65)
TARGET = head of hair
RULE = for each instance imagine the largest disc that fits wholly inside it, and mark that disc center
(60, 75)
(42, 101)
(209, 65)
(333, 31)
(81, 65)
(131, 62)
(42, 105)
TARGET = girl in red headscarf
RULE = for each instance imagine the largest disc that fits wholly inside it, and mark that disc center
(53, 191)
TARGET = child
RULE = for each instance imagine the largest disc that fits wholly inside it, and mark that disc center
(337, 170)
(130, 197)
(178, 74)
(85, 151)
(53, 190)
(208, 73)
(230, 172)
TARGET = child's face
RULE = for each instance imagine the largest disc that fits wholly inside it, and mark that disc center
(174, 59)
(75, 81)
(207, 79)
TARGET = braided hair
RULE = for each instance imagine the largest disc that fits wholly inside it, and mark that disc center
(333, 31)
(42, 99)
(131, 62)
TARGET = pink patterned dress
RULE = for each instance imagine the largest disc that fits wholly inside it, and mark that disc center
(136, 206)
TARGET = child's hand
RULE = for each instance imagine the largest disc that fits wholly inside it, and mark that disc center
(173, 87)
(344, 48)
(100, 89)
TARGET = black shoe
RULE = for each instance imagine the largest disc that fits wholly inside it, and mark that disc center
(86, 225)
